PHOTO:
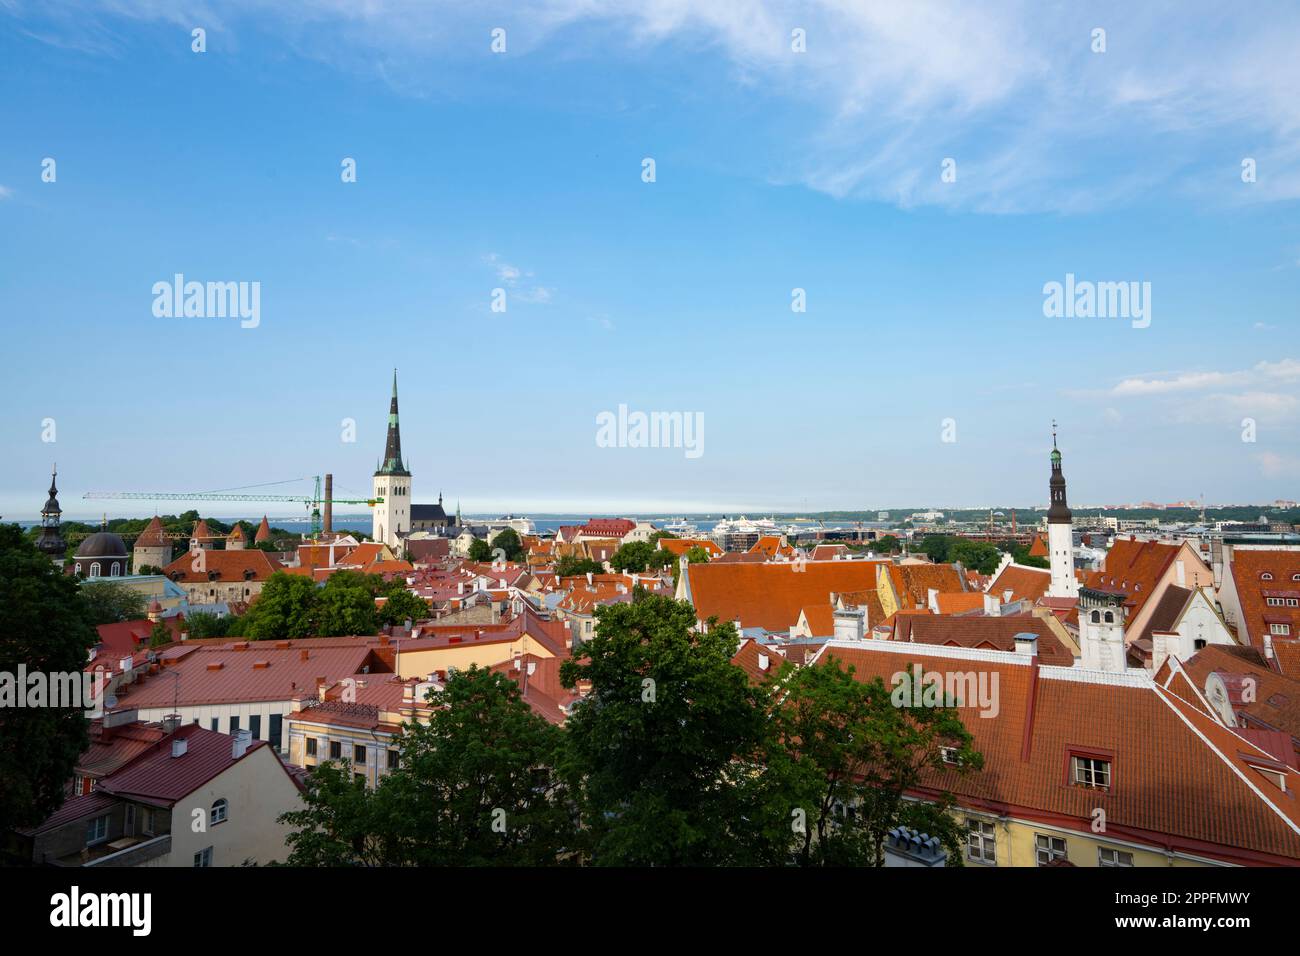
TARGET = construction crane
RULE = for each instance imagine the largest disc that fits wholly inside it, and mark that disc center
(313, 502)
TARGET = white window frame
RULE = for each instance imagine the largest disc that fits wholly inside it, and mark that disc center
(220, 811)
(1045, 850)
(204, 857)
(981, 842)
(1109, 856)
(99, 828)
(1091, 772)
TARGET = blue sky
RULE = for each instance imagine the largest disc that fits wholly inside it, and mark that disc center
(775, 170)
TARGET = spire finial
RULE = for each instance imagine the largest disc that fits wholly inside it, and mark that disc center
(1053, 432)
(394, 383)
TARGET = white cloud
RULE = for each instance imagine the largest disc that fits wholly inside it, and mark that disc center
(5, 192)
(1010, 89)
(1286, 370)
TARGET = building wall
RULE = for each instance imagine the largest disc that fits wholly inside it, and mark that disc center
(204, 714)
(258, 791)
(377, 744)
(462, 656)
(217, 592)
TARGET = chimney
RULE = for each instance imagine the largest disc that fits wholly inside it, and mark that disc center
(1027, 643)
(304, 654)
(992, 605)
(1006, 596)
(588, 579)
(171, 723)
(179, 745)
(763, 662)
(242, 740)
(327, 520)
(850, 624)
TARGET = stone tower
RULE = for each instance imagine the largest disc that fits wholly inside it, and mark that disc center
(392, 482)
(1060, 533)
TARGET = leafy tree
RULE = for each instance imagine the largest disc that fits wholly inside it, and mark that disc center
(658, 536)
(975, 555)
(160, 634)
(888, 544)
(571, 566)
(401, 605)
(508, 541)
(111, 601)
(664, 754)
(635, 556)
(938, 547)
(853, 752)
(282, 610)
(480, 550)
(202, 624)
(148, 569)
(476, 786)
(345, 607)
(47, 626)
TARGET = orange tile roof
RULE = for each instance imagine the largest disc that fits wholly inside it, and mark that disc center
(1253, 590)
(869, 599)
(1025, 584)
(959, 602)
(750, 658)
(153, 535)
(1175, 769)
(992, 633)
(1135, 568)
(1039, 548)
(772, 595)
(770, 545)
(912, 582)
(1274, 701)
(263, 531)
(680, 546)
(246, 565)
(820, 619)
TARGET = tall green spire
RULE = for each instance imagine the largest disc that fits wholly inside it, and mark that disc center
(392, 463)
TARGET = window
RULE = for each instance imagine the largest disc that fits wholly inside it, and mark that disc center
(393, 758)
(1090, 772)
(255, 726)
(203, 857)
(276, 733)
(1096, 617)
(94, 569)
(97, 830)
(949, 756)
(1049, 848)
(1281, 630)
(1108, 857)
(1110, 617)
(311, 746)
(146, 821)
(359, 755)
(1266, 576)
(234, 726)
(214, 722)
(336, 750)
(981, 844)
(129, 828)
(220, 810)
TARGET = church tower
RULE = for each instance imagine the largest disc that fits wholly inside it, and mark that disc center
(1060, 533)
(392, 482)
(51, 540)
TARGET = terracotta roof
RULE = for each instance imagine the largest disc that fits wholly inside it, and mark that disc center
(1134, 568)
(153, 535)
(1273, 704)
(541, 689)
(1175, 769)
(959, 602)
(236, 534)
(771, 595)
(113, 747)
(223, 566)
(828, 552)
(201, 530)
(1248, 570)
(263, 531)
(680, 546)
(770, 545)
(1039, 548)
(820, 619)
(751, 656)
(869, 599)
(1166, 611)
(1286, 654)
(993, 633)
(1025, 584)
(912, 582)
(248, 671)
(608, 527)
(157, 776)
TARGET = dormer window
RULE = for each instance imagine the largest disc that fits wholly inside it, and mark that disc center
(1266, 576)
(1092, 773)
(1295, 577)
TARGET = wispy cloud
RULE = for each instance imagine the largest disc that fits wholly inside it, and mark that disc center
(5, 192)
(1012, 90)
(510, 276)
(1286, 370)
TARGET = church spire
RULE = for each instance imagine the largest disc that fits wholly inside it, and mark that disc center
(1059, 511)
(51, 540)
(392, 463)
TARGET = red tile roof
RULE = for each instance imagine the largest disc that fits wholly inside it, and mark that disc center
(1134, 568)
(153, 535)
(1175, 769)
(1249, 568)
(993, 633)
(158, 777)
(751, 656)
(772, 595)
(263, 531)
(1025, 584)
(680, 546)
(227, 566)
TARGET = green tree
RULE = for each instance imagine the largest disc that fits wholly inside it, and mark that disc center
(46, 626)
(160, 634)
(476, 786)
(203, 624)
(508, 541)
(938, 547)
(343, 608)
(888, 544)
(283, 610)
(658, 536)
(571, 566)
(480, 550)
(978, 556)
(401, 605)
(852, 749)
(664, 753)
(111, 601)
(635, 556)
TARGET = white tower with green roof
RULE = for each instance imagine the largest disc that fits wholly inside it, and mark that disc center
(391, 520)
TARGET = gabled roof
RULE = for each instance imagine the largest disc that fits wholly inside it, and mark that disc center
(994, 633)
(153, 535)
(912, 582)
(1174, 768)
(1249, 567)
(1134, 568)
(223, 566)
(680, 546)
(771, 595)
(158, 777)
(752, 656)
(1025, 583)
(1274, 700)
